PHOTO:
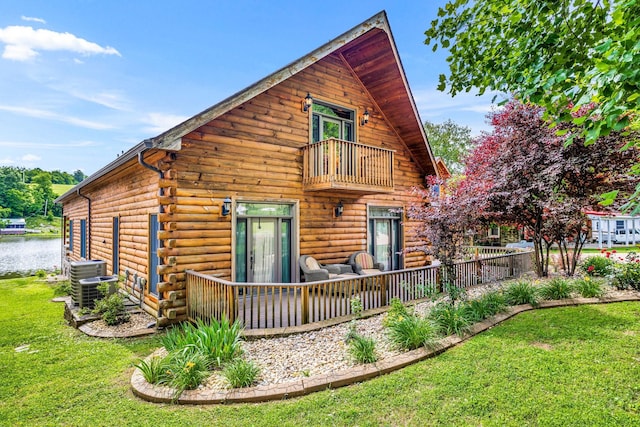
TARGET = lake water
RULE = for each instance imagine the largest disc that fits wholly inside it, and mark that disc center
(24, 255)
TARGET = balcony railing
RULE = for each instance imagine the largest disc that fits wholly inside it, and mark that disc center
(283, 305)
(344, 165)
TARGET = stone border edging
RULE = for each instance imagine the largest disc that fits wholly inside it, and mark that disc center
(303, 386)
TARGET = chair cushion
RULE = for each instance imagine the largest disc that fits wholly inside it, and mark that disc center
(365, 260)
(312, 264)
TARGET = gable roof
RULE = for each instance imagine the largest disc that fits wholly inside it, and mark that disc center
(370, 53)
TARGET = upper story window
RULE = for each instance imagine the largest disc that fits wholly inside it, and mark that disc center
(331, 121)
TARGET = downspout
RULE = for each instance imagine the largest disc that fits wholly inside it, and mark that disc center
(148, 146)
(88, 222)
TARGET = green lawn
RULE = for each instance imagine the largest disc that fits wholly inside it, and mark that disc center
(60, 189)
(568, 366)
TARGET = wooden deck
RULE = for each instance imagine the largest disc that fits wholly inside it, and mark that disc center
(280, 305)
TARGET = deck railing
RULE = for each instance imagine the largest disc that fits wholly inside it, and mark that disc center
(336, 164)
(281, 305)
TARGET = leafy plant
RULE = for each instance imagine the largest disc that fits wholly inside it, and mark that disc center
(486, 306)
(112, 310)
(186, 371)
(556, 288)
(41, 274)
(155, 369)
(397, 311)
(597, 266)
(588, 287)
(521, 292)
(241, 373)
(450, 319)
(217, 341)
(411, 332)
(627, 275)
(356, 310)
(363, 349)
(62, 288)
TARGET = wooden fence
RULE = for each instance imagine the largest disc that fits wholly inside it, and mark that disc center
(281, 305)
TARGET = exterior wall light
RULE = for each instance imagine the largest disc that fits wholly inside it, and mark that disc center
(307, 102)
(226, 206)
(339, 209)
(365, 118)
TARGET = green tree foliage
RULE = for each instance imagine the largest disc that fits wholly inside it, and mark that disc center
(449, 141)
(28, 192)
(79, 176)
(552, 53)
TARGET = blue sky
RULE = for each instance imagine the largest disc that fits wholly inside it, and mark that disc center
(83, 80)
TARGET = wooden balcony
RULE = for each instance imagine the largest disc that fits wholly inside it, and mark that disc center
(342, 165)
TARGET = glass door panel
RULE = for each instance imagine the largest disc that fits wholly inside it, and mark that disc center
(383, 243)
(262, 255)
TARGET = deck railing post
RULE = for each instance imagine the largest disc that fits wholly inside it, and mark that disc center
(304, 301)
(383, 290)
(231, 304)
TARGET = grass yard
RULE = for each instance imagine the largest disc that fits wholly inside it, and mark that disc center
(567, 366)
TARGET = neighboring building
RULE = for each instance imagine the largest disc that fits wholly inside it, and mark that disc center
(14, 226)
(318, 158)
(609, 228)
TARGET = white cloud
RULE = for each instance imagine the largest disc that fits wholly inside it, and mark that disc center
(161, 122)
(43, 114)
(113, 100)
(6, 161)
(23, 43)
(19, 144)
(30, 158)
(32, 19)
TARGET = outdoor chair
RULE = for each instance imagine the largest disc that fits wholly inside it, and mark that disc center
(364, 264)
(313, 271)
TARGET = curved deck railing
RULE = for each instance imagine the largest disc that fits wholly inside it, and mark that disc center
(282, 305)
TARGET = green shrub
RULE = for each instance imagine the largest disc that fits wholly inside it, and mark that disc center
(588, 287)
(112, 310)
(597, 266)
(155, 370)
(41, 274)
(411, 332)
(186, 371)
(218, 341)
(496, 301)
(362, 349)
(521, 293)
(62, 288)
(627, 275)
(241, 373)
(486, 306)
(450, 319)
(557, 288)
(397, 311)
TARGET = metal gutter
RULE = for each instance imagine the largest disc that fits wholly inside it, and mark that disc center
(88, 222)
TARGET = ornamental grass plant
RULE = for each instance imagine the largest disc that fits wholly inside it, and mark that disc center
(588, 287)
(363, 349)
(556, 288)
(450, 319)
(521, 292)
(241, 373)
(411, 332)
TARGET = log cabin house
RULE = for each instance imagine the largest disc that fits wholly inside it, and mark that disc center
(318, 158)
